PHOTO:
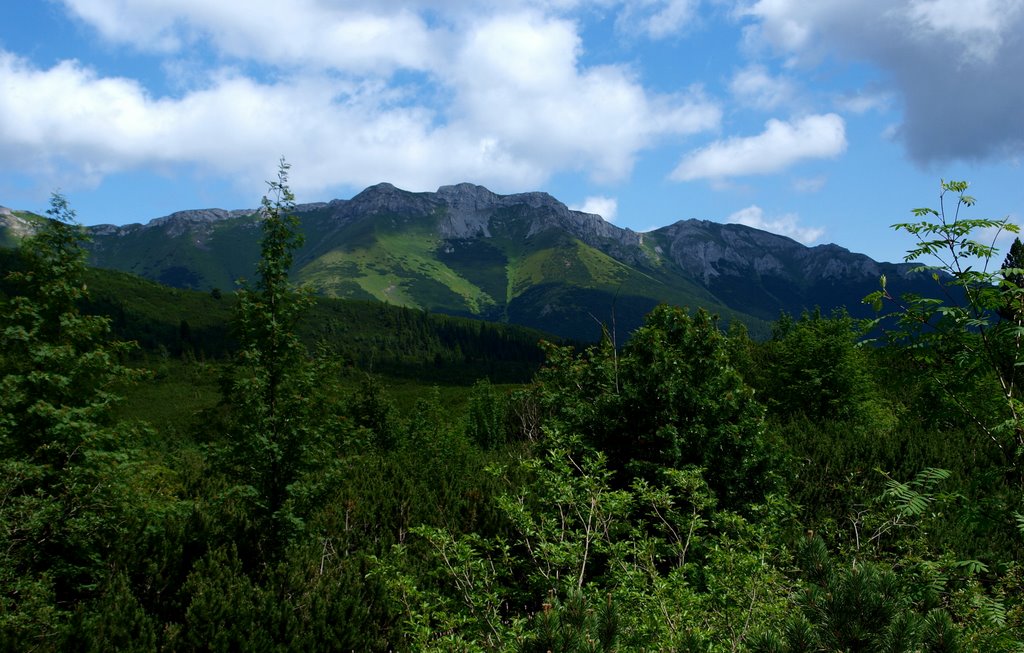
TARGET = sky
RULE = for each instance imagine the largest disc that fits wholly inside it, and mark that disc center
(824, 121)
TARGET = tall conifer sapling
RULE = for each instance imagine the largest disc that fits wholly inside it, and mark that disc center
(272, 391)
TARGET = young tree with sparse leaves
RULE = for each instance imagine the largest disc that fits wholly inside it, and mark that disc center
(275, 434)
(959, 339)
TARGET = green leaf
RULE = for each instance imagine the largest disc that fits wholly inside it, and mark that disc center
(973, 567)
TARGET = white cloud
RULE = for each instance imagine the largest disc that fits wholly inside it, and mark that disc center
(754, 87)
(606, 207)
(954, 65)
(779, 146)
(355, 35)
(70, 106)
(332, 132)
(302, 32)
(517, 80)
(785, 225)
(810, 184)
(657, 19)
(497, 93)
(863, 102)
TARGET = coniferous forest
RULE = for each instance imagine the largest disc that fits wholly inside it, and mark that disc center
(842, 486)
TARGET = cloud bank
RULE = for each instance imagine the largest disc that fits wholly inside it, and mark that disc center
(502, 92)
(418, 94)
(781, 145)
(785, 225)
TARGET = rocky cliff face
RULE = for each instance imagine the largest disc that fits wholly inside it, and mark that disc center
(468, 211)
(707, 250)
(14, 227)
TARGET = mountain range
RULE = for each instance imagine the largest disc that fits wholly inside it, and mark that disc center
(524, 258)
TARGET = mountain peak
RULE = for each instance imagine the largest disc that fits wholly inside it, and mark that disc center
(382, 187)
(465, 188)
(387, 198)
(460, 197)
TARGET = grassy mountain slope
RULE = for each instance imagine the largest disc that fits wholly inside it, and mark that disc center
(390, 259)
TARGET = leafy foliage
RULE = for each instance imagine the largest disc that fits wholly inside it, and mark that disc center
(816, 366)
(960, 337)
(671, 398)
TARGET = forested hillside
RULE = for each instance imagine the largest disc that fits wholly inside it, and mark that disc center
(690, 490)
(371, 336)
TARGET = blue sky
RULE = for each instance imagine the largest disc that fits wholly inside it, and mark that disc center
(826, 121)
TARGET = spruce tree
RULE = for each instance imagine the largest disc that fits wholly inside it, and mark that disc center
(1010, 307)
(66, 504)
(1012, 283)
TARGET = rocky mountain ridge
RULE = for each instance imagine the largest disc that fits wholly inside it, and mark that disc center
(703, 248)
(524, 258)
(711, 249)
